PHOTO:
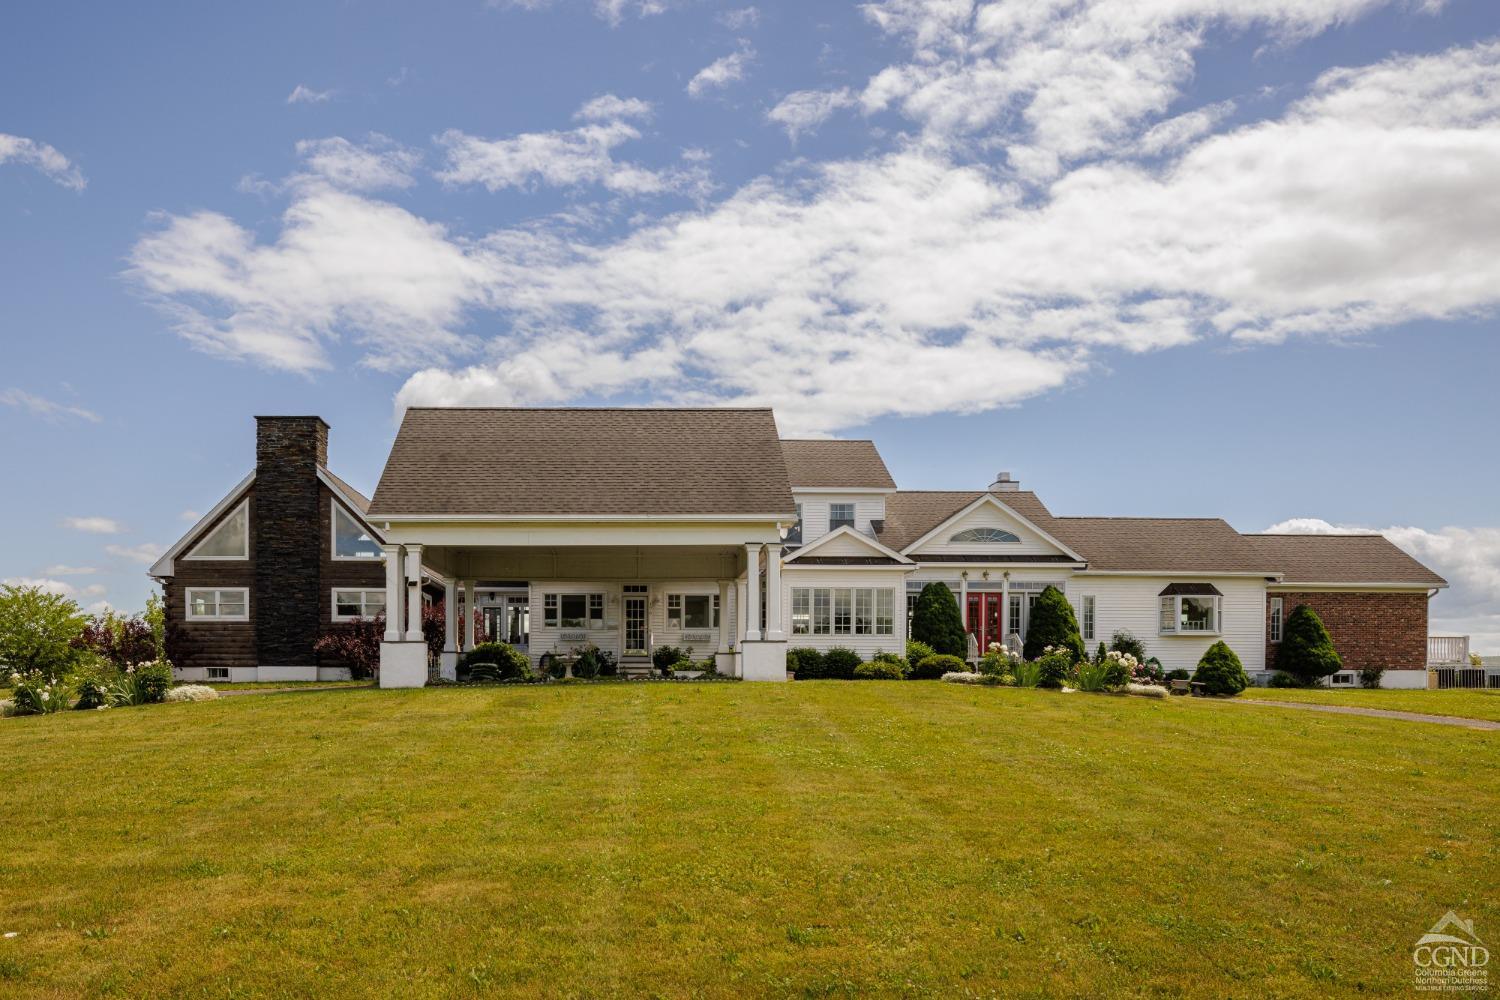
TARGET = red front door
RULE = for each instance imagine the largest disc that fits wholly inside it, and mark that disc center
(984, 620)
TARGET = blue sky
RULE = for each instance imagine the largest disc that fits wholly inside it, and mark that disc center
(1230, 257)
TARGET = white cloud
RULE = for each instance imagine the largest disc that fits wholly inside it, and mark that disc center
(378, 163)
(303, 94)
(100, 608)
(740, 19)
(1176, 133)
(45, 407)
(64, 570)
(190, 516)
(1468, 558)
(145, 553)
(93, 525)
(722, 71)
(59, 587)
(44, 158)
(804, 110)
(575, 157)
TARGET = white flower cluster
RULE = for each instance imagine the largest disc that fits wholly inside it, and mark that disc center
(1147, 690)
(1125, 659)
(192, 692)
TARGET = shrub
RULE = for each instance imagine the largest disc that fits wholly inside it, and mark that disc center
(1179, 674)
(1147, 690)
(935, 666)
(1306, 649)
(192, 692)
(1118, 668)
(1054, 666)
(149, 682)
(879, 670)
(38, 630)
(916, 652)
(936, 621)
(356, 645)
(1282, 679)
(1028, 674)
(1092, 675)
(806, 662)
(840, 663)
(1369, 677)
(590, 661)
(100, 687)
(36, 694)
(1123, 642)
(1149, 672)
(966, 677)
(997, 662)
(900, 662)
(122, 641)
(1053, 624)
(663, 657)
(510, 663)
(1220, 671)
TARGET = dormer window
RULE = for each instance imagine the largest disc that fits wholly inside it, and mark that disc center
(840, 515)
(986, 535)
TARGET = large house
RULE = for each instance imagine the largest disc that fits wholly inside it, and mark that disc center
(635, 528)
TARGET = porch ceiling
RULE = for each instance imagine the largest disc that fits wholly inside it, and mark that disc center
(590, 562)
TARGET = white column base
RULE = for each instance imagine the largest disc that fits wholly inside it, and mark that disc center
(727, 664)
(403, 664)
(763, 660)
(448, 670)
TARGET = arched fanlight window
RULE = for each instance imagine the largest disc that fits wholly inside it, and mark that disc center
(985, 535)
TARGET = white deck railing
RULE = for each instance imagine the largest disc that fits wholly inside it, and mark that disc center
(1448, 649)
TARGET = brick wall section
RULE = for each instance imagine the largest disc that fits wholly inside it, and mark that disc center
(211, 644)
(1369, 629)
(288, 451)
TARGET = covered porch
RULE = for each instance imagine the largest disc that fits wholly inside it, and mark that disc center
(551, 592)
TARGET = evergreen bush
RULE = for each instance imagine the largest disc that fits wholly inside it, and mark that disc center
(1306, 650)
(1220, 671)
(936, 621)
(1053, 624)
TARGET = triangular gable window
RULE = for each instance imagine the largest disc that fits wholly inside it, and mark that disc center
(350, 539)
(230, 540)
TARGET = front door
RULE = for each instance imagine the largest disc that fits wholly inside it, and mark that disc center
(635, 624)
(984, 620)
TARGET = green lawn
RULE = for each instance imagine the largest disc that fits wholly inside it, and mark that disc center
(1464, 704)
(813, 839)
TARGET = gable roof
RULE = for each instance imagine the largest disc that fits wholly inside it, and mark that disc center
(578, 462)
(1342, 559)
(827, 464)
(875, 550)
(354, 496)
(910, 514)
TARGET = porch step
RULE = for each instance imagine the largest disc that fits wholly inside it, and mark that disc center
(636, 666)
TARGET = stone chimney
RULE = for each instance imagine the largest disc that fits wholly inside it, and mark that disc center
(1004, 484)
(287, 538)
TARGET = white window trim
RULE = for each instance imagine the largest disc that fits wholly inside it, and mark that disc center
(1277, 623)
(1176, 600)
(187, 598)
(333, 606)
(713, 610)
(192, 555)
(552, 616)
(955, 538)
(1088, 610)
(853, 515)
(335, 510)
(808, 597)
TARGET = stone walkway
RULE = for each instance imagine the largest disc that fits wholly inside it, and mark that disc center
(1375, 713)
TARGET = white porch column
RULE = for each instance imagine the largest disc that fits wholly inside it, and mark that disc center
(963, 598)
(774, 626)
(448, 665)
(723, 616)
(395, 587)
(1005, 608)
(469, 595)
(752, 591)
(414, 593)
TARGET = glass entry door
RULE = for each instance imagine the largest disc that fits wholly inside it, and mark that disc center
(509, 621)
(635, 624)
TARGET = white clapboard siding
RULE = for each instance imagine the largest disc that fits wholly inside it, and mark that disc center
(1133, 604)
(867, 508)
(988, 516)
(662, 635)
(545, 639)
(865, 645)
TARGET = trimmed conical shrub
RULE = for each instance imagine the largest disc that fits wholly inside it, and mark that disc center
(935, 621)
(1306, 650)
(1052, 624)
(1220, 671)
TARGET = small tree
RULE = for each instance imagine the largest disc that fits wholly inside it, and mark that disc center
(1053, 624)
(936, 621)
(123, 641)
(356, 645)
(1306, 650)
(1220, 671)
(38, 631)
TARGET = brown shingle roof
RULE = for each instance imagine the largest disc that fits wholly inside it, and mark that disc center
(360, 500)
(1342, 559)
(910, 514)
(578, 461)
(822, 464)
(1161, 544)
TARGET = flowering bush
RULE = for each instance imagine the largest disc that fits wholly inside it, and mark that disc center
(965, 677)
(998, 661)
(149, 682)
(1054, 666)
(1147, 690)
(192, 692)
(1147, 672)
(101, 688)
(34, 694)
(356, 645)
(122, 641)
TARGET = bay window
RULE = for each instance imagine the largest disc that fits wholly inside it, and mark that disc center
(1191, 609)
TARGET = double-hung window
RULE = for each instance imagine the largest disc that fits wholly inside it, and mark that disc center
(351, 604)
(1274, 628)
(1191, 609)
(843, 611)
(573, 610)
(692, 611)
(218, 604)
(839, 515)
